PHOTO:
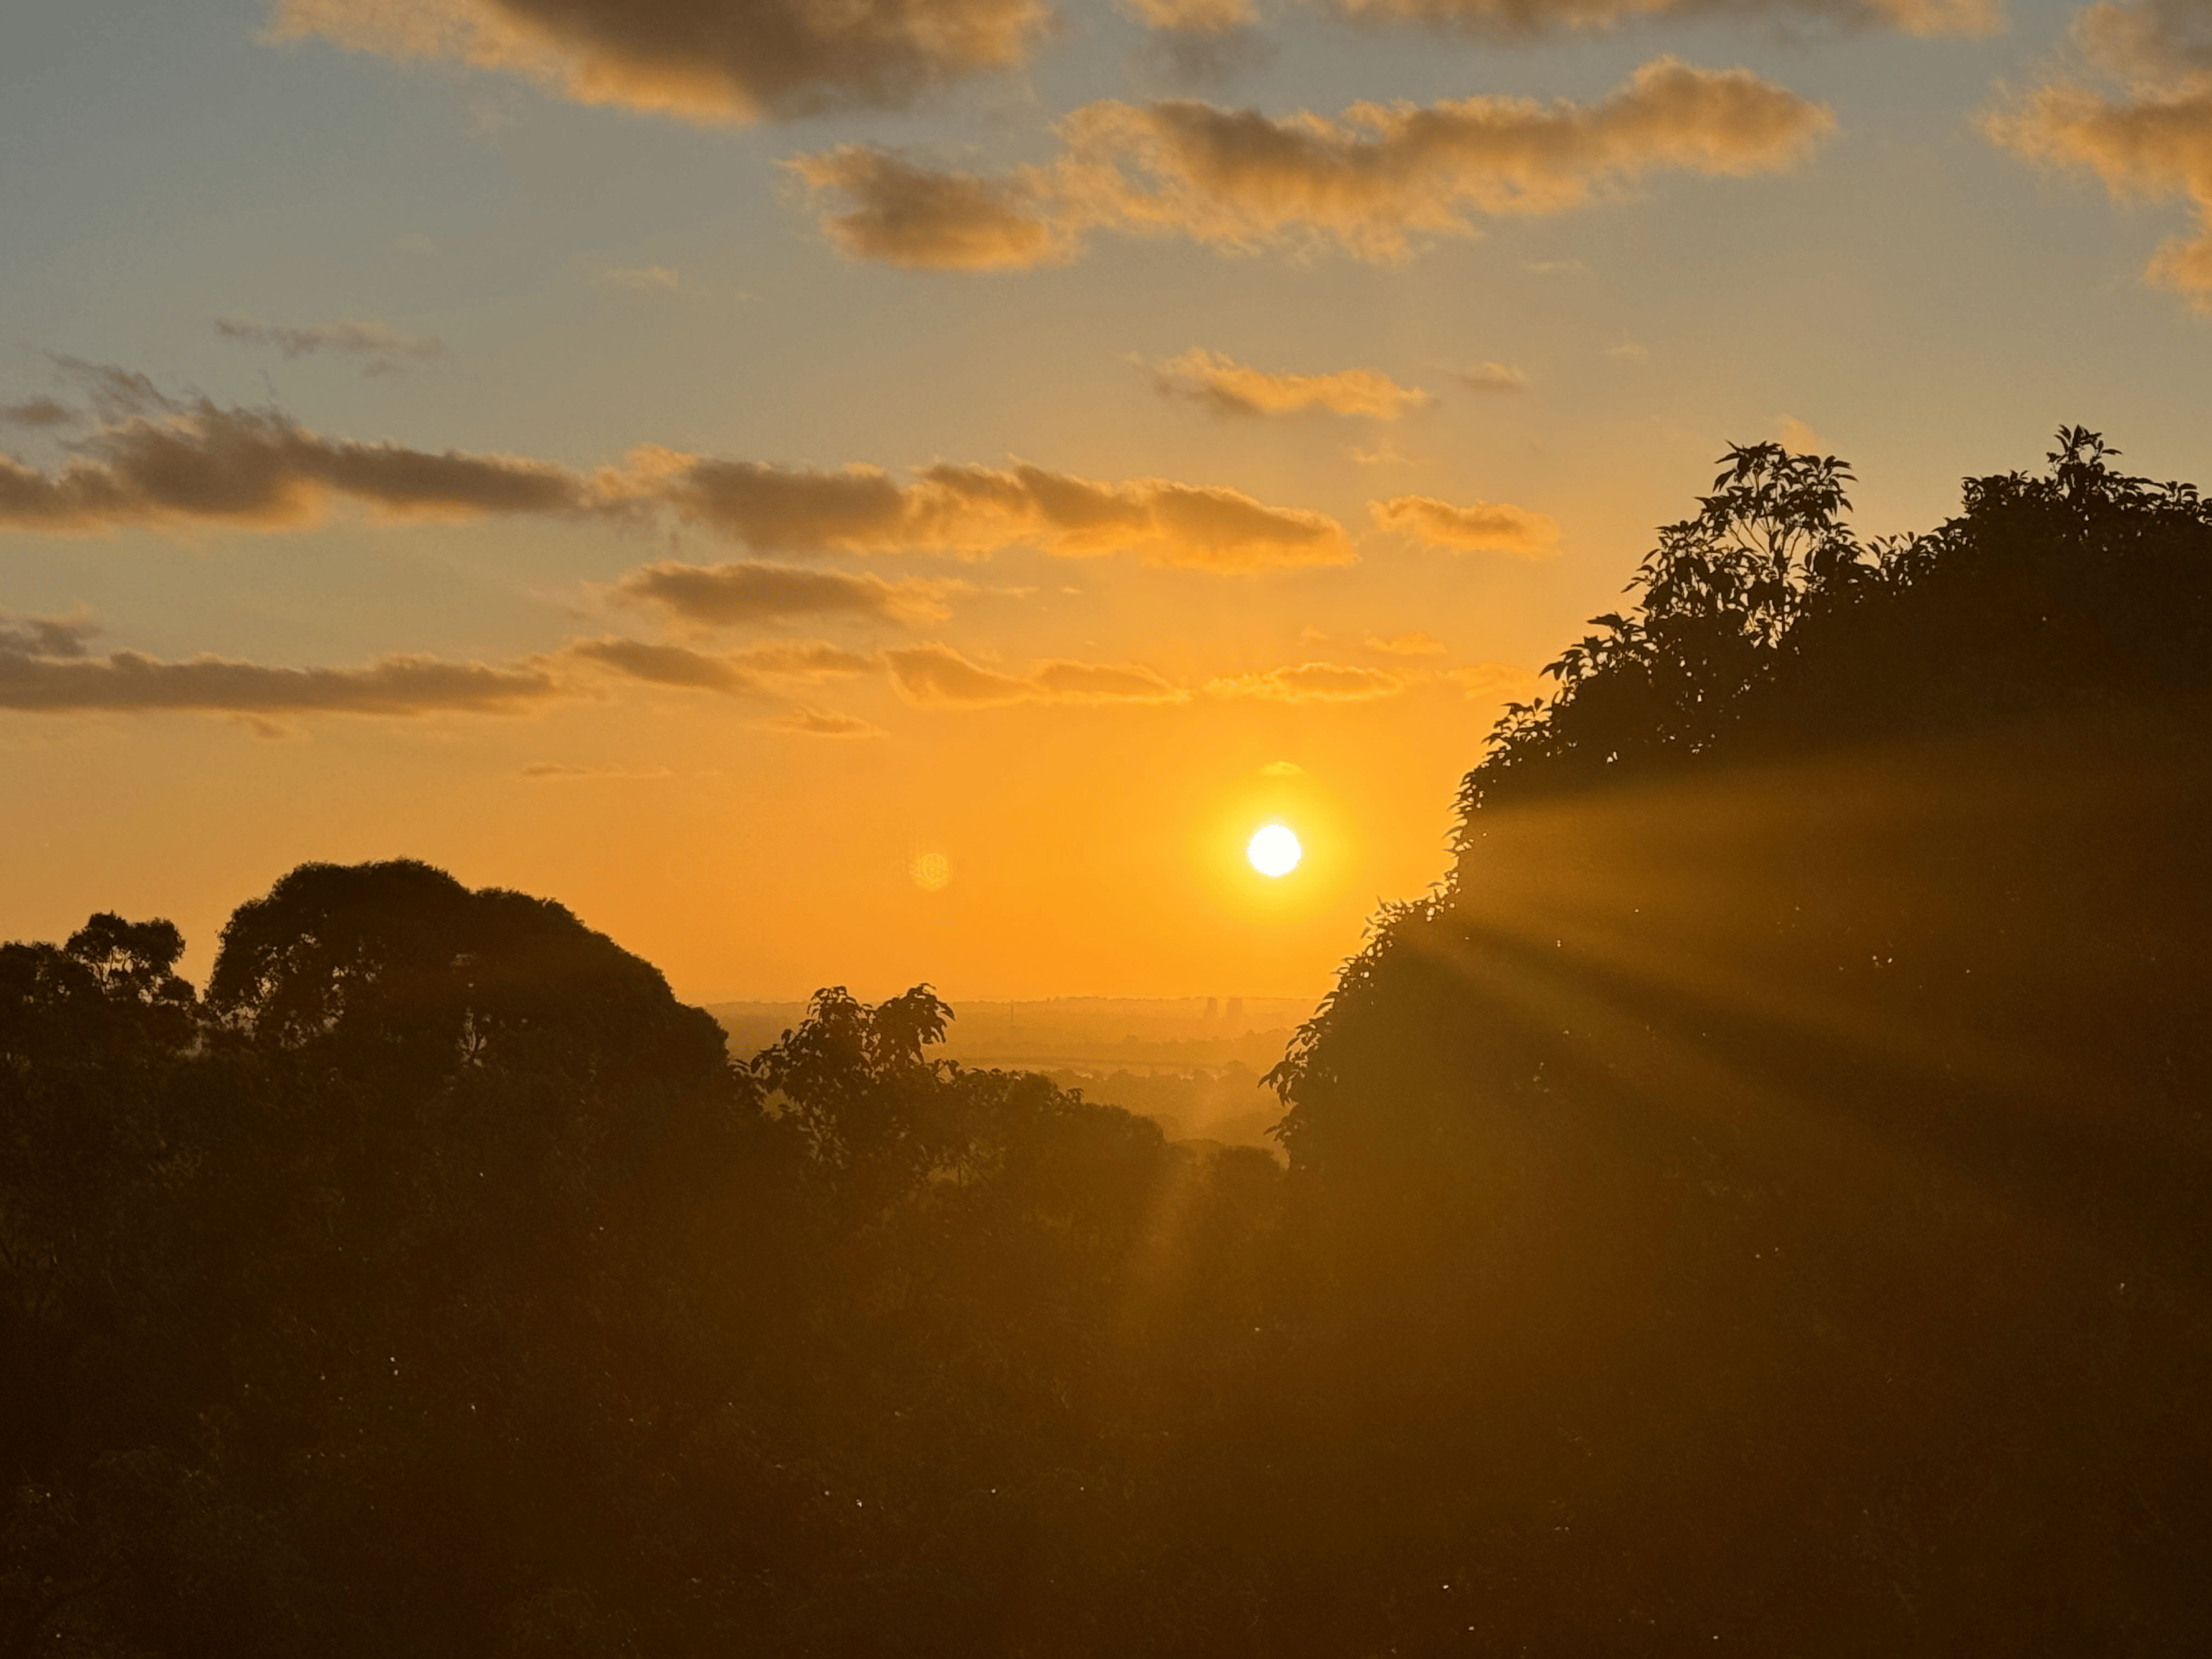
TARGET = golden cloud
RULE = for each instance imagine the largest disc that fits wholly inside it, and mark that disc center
(1370, 182)
(1228, 387)
(808, 722)
(1535, 17)
(1483, 527)
(935, 675)
(1195, 16)
(1312, 682)
(703, 60)
(976, 510)
(923, 220)
(736, 672)
(2151, 142)
(749, 591)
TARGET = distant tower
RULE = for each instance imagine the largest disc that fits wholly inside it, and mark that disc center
(1212, 1009)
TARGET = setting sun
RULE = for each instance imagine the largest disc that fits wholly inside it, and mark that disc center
(1273, 850)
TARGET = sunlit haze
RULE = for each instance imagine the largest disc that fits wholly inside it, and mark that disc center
(905, 511)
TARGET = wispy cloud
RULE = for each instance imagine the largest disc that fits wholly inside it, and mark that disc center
(1312, 682)
(1491, 377)
(378, 347)
(1479, 527)
(1226, 386)
(2151, 140)
(803, 721)
(755, 669)
(702, 60)
(563, 772)
(935, 675)
(38, 412)
(1414, 644)
(1371, 182)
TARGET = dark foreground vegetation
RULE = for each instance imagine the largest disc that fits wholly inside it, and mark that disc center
(1757, 1204)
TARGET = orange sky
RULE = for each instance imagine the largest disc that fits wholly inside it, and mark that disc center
(693, 458)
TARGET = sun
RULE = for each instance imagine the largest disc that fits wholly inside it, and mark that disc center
(1273, 850)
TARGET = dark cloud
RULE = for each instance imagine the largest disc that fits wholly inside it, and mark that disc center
(710, 60)
(402, 685)
(160, 461)
(379, 347)
(750, 592)
(975, 511)
(1371, 182)
(24, 635)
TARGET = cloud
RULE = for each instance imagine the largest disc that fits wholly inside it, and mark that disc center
(1797, 437)
(2151, 141)
(1371, 182)
(1483, 527)
(1228, 387)
(399, 685)
(38, 412)
(806, 722)
(976, 510)
(1282, 769)
(751, 591)
(1195, 16)
(24, 635)
(186, 463)
(901, 214)
(644, 279)
(749, 671)
(561, 772)
(1415, 644)
(159, 461)
(1539, 17)
(935, 675)
(381, 349)
(702, 60)
(1312, 682)
(1491, 377)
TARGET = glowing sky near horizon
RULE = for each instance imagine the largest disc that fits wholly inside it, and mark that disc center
(882, 494)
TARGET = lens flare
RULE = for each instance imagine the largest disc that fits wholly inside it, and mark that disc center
(1273, 850)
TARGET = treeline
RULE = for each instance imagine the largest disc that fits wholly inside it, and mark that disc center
(1758, 1202)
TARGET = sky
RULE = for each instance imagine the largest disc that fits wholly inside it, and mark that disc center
(869, 492)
